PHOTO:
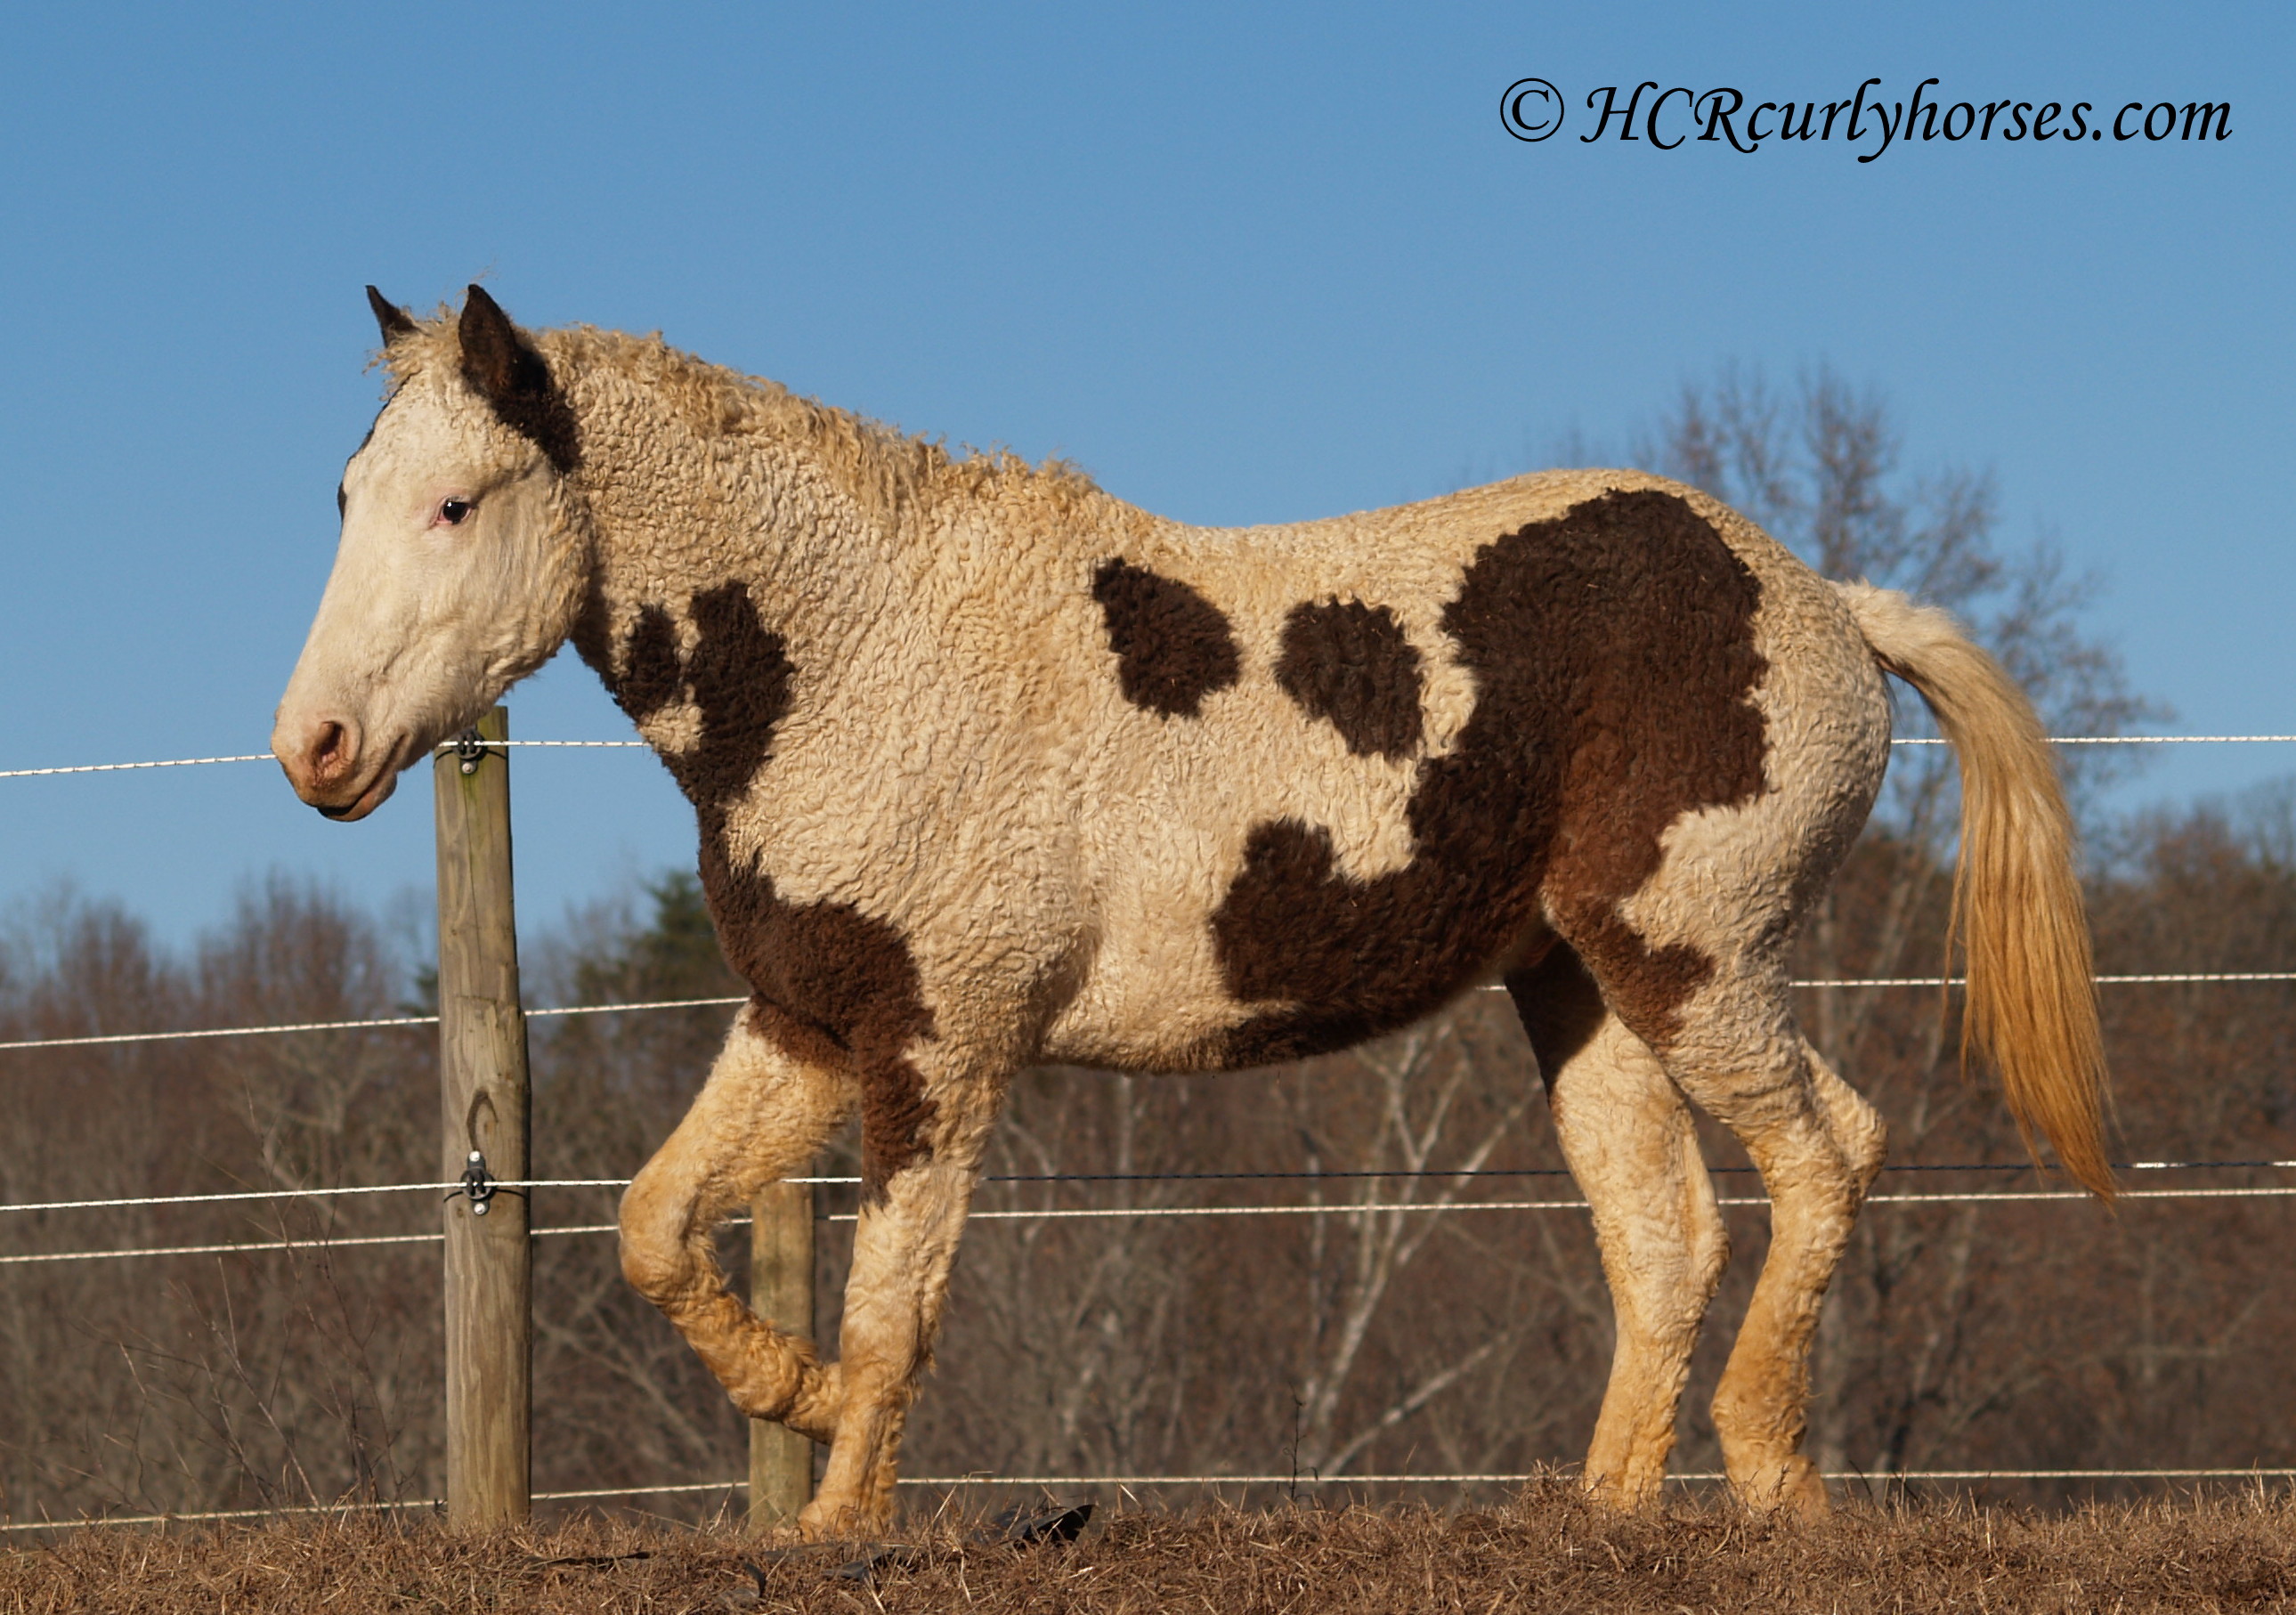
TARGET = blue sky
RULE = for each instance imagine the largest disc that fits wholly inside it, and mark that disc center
(1243, 263)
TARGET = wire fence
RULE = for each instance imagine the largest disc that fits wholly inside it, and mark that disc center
(99, 1039)
(1358, 1207)
(630, 745)
(1870, 1479)
(1040, 1214)
(374, 1023)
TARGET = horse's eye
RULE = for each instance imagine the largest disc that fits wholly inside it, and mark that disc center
(453, 511)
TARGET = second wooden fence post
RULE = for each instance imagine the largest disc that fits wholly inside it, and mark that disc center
(484, 1110)
(780, 1290)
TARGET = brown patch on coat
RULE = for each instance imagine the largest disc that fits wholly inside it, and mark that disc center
(1561, 1007)
(738, 675)
(652, 674)
(503, 367)
(1613, 654)
(835, 988)
(1172, 645)
(1350, 664)
(829, 984)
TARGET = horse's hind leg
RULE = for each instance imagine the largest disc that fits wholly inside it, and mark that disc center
(1733, 1048)
(1818, 1146)
(761, 1114)
(1628, 1135)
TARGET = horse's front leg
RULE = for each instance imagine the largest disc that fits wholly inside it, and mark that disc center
(903, 1249)
(761, 1115)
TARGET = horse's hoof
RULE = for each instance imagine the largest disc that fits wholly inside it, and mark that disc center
(1793, 1487)
(1616, 1495)
(825, 1521)
(1805, 1493)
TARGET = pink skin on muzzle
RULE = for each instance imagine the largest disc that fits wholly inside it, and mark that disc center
(330, 768)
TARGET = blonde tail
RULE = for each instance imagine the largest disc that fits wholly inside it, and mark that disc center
(2017, 909)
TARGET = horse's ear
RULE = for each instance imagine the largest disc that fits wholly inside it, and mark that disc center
(503, 368)
(394, 321)
(496, 359)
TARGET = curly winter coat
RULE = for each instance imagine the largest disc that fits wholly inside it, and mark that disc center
(992, 768)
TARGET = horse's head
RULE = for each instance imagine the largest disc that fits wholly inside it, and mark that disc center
(464, 557)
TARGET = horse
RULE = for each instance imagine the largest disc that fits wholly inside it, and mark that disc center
(991, 767)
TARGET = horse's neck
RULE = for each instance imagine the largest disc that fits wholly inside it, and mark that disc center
(676, 515)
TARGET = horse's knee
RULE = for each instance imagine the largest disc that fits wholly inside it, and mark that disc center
(657, 1257)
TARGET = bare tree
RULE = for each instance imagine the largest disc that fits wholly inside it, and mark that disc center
(206, 1382)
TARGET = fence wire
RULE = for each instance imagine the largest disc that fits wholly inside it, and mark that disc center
(323, 1243)
(95, 1039)
(1868, 1477)
(633, 745)
(266, 757)
(369, 1024)
(1461, 1175)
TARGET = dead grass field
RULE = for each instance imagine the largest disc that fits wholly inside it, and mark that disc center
(1544, 1552)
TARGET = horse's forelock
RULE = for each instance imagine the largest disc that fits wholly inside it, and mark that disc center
(427, 344)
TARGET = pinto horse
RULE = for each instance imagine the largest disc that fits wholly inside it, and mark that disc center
(992, 767)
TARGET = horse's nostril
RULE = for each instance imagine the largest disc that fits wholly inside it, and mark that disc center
(333, 749)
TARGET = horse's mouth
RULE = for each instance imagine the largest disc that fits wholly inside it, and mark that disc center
(365, 802)
(343, 799)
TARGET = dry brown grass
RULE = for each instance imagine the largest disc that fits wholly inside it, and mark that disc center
(1544, 1552)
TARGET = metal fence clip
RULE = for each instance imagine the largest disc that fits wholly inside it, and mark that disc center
(477, 1183)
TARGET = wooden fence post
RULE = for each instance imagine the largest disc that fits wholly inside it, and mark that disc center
(484, 1108)
(780, 1289)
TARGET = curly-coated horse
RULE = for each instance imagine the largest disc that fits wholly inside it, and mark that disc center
(992, 767)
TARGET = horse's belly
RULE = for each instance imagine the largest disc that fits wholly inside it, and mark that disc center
(1164, 997)
(1152, 999)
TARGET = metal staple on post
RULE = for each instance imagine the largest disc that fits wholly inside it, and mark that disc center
(484, 1103)
(781, 1290)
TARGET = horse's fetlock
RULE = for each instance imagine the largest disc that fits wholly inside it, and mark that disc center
(1619, 1495)
(820, 1407)
(663, 1276)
